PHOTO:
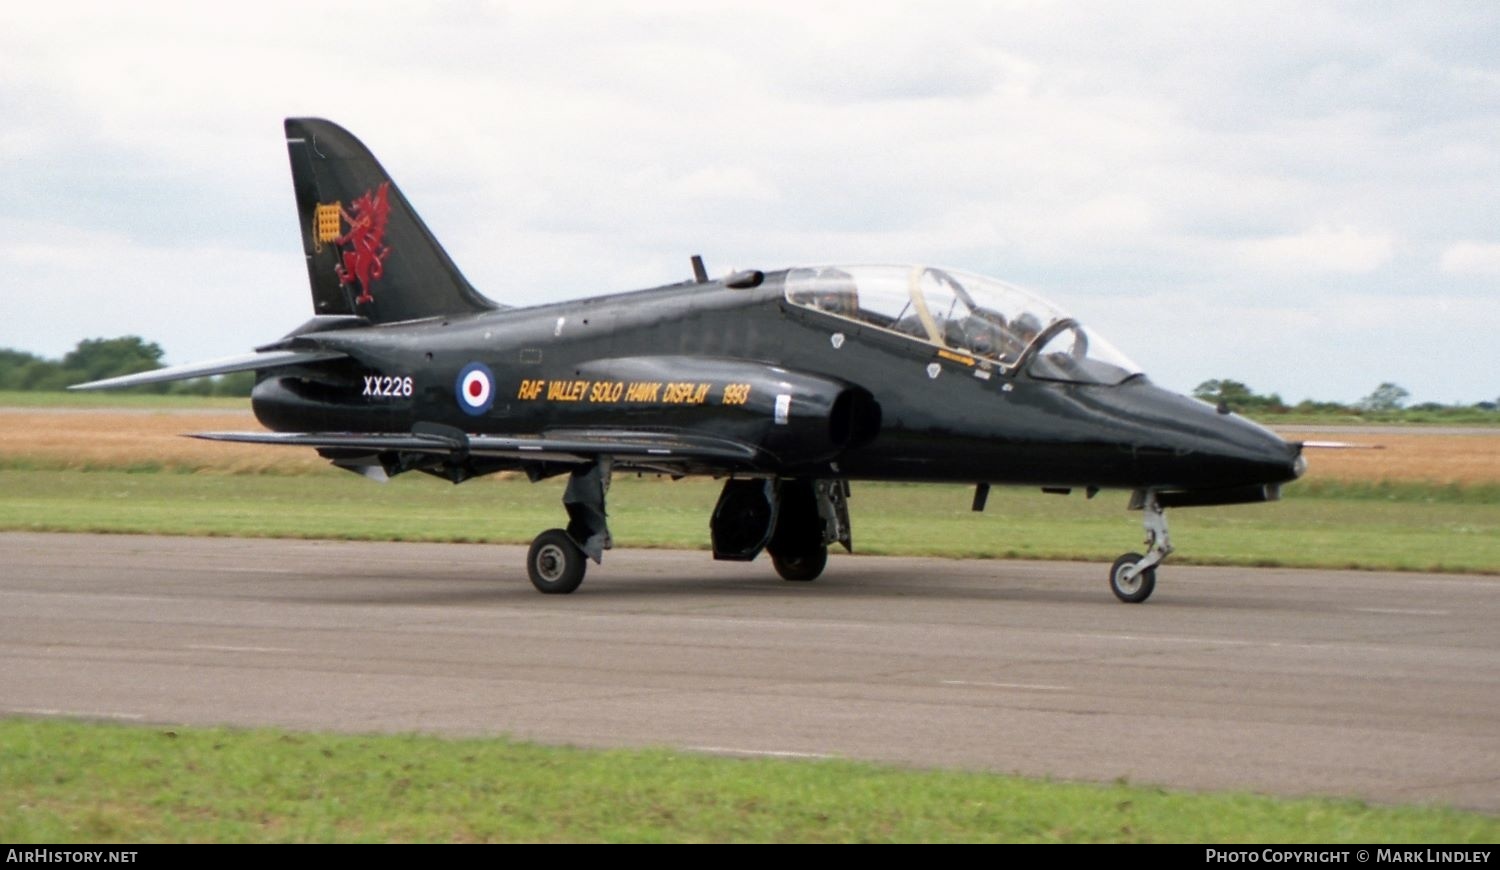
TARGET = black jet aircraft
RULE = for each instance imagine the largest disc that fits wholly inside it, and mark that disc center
(787, 384)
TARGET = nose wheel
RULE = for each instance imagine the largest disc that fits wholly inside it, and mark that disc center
(1131, 585)
(1133, 577)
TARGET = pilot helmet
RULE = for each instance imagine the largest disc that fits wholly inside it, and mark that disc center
(1027, 326)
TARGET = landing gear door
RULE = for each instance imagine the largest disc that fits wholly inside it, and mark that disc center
(833, 510)
(743, 519)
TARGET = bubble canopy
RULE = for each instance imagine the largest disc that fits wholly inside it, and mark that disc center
(963, 313)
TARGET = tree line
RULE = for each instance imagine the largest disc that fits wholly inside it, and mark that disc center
(1386, 400)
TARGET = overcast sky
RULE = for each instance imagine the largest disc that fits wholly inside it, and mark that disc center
(1302, 196)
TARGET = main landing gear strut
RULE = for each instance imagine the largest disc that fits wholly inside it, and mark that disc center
(559, 557)
(1133, 576)
(793, 519)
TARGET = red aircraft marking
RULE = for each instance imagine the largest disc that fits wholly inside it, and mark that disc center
(364, 259)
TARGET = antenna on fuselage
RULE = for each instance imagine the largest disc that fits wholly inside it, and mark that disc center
(700, 272)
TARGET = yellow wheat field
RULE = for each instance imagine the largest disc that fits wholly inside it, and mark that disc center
(123, 439)
(126, 439)
(1460, 459)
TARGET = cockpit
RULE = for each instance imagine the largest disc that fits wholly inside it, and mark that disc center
(963, 313)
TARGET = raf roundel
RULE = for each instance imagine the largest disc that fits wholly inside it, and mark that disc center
(475, 388)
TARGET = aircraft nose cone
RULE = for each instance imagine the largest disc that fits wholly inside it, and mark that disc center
(1246, 453)
(1186, 443)
(1271, 459)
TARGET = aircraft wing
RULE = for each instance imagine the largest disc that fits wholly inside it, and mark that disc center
(248, 362)
(566, 446)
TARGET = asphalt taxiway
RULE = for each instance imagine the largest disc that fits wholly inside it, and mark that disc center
(1382, 686)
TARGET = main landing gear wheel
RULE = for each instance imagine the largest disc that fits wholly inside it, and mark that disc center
(1135, 589)
(802, 566)
(555, 563)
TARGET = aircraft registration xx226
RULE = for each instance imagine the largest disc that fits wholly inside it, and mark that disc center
(788, 384)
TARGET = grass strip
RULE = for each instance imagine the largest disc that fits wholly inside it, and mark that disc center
(70, 782)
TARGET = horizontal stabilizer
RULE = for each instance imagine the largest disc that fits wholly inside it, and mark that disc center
(243, 363)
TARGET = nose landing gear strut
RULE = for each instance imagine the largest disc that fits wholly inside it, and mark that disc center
(1133, 577)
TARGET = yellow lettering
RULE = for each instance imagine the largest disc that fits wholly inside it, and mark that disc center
(683, 393)
(678, 393)
(606, 391)
(643, 391)
(530, 389)
(736, 394)
(566, 391)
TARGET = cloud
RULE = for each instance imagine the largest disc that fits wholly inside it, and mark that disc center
(1328, 345)
(62, 284)
(1471, 258)
(1320, 249)
(1248, 156)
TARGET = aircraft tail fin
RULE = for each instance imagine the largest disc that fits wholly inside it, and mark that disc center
(368, 253)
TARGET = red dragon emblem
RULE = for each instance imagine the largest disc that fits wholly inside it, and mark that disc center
(363, 246)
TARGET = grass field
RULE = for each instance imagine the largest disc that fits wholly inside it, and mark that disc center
(1423, 502)
(70, 782)
(906, 519)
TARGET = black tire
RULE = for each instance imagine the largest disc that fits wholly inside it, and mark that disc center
(805, 565)
(555, 564)
(1139, 588)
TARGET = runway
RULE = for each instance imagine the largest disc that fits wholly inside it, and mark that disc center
(1374, 685)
